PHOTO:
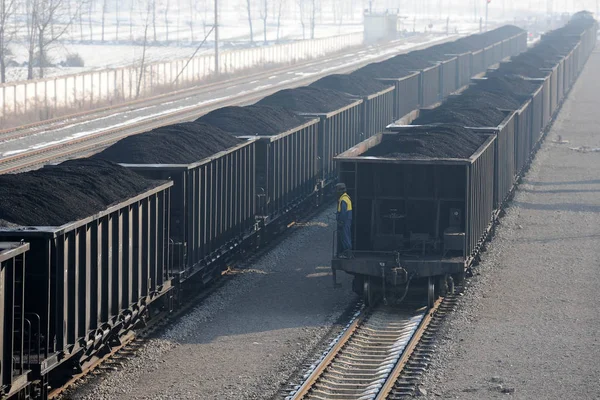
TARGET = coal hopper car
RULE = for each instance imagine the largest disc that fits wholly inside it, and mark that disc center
(420, 212)
(96, 266)
(13, 370)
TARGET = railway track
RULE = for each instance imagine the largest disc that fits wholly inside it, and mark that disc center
(85, 144)
(378, 355)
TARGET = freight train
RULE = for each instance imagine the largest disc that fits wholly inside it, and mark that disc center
(427, 195)
(95, 247)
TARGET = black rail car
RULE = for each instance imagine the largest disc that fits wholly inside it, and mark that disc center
(14, 319)
(378, 112)
(448, 77)
(414, 217)
(406, 93)
(91, 280)
(288, 173)
(213, 208)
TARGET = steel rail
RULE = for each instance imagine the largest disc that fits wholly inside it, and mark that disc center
(319, 376)
(408, 351)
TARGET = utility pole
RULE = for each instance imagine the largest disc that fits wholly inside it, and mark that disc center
(216, 38)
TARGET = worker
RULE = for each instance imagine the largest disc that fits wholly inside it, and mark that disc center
(344, 222)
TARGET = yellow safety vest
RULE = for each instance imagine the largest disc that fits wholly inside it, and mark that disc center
(346, 199)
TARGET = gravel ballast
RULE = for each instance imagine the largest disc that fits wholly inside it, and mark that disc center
(248, 337)
(527, 326)
(67, 192)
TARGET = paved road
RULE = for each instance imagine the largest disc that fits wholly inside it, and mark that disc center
(531, 322)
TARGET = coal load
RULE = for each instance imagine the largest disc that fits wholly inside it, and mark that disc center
(405, 64)
(383, 70)
(473, 108)
(514, 87)
(439, 141)
(355, 85)
(483, 40)
(73, 190)
(182, 143)
(395, 67)
(254, 120)
(308, 99)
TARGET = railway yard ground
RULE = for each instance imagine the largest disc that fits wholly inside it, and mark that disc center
(528, 323)
(246, 339)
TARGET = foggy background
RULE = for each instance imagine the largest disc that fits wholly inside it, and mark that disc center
(40, 38)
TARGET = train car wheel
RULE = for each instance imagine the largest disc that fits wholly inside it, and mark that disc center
(430, 292)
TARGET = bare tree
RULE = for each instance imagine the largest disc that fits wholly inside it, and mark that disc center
(117, 21)
(312, 19)
(152, 4)
(90, 11)
(264, 15)
(248, 7)
(46, 13)
(279, 12)
(31, 22)
(338, 12)
(130, 20)
(302, 8)
(7, 9)
(167, 6)
(104, 9)
(80, 15)
(192, 22)
(143, 61)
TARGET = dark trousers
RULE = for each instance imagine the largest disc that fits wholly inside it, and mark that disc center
(344, 238)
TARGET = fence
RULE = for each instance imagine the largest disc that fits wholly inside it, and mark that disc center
(48, 97)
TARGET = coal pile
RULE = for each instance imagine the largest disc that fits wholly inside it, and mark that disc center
(514, 87)
(254, 120)
(308, 99)
(439, 141)
(356, 85)
(383, 70)
(474, 108)
(480, 41)
(182, 143)
(73, 190)
(405, 64)
(396, 67)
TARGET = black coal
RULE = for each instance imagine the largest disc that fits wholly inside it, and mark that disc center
(73, 190)
(436, 141)
(182, 143)
(253, 120)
